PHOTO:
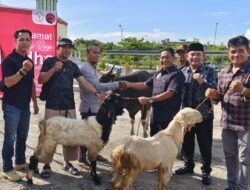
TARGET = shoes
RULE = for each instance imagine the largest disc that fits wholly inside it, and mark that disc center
(101, 158)
(71, 169)
(206, 179)
(46, 171)
(11, 175)
(19, 167)
(184, 170)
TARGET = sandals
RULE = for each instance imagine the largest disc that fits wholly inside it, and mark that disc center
(46, 171)
(71, 169)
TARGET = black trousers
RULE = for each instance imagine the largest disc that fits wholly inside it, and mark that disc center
(83, 150)
(156, 126)
(204, 134)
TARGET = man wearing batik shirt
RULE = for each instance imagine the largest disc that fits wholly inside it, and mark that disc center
(234, 93)
(199, 77)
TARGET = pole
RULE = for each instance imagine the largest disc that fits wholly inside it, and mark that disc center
(121, 31)
(216, 26)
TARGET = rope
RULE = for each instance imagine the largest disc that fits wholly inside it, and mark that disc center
(199, 105)
(129, 98)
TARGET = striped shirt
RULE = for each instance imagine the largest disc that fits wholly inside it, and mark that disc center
(88, 100)
(235, 108)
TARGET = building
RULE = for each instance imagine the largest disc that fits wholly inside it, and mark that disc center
(51, 5)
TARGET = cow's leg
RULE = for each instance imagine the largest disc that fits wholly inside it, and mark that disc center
(132, 121)
(132, 132)
(144, 121)
(144, 125)
(147, 118)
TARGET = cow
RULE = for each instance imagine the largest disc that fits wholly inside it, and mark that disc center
(132, 104)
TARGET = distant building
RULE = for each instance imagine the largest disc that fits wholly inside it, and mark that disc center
(51, 5)
(48, 5)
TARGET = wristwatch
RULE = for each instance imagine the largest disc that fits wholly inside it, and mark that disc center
(150, 100)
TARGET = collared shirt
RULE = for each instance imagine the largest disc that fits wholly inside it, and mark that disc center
(168, 79)
(235, 110)
(20, 94)
(88, 100)
(194, 93)
(60, 93)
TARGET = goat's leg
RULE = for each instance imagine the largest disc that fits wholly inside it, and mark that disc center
(33, 166)
(144, 125)
(162, 178)
(130, 178)
(95, 177)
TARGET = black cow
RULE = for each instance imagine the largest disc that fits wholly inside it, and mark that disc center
(131, 95)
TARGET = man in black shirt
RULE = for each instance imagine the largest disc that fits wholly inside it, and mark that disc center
(58, 73)
(18, 75)
(167, 86)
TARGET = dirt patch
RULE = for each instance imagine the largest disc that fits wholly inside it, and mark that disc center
(146, 181)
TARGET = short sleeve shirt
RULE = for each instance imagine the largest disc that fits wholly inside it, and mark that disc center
(169, 79)
(20, 94)
(60, 93)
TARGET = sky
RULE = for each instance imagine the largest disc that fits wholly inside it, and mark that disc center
(153, 20)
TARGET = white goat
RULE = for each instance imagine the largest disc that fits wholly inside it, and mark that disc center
(92, 133)
(138, 154)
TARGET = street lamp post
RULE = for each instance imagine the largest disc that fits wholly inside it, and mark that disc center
(216, 26)
(121, 30)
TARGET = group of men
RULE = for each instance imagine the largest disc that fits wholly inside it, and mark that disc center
(190, 84)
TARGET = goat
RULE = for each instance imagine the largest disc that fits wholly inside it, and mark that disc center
(93, 133)
(132, 103)
(138, 154)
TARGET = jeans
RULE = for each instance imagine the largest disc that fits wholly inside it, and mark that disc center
(16, 127)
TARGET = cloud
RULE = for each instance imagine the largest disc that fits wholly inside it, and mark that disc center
(116, 36)
(247, 34)
(220, 13)
(156, 30)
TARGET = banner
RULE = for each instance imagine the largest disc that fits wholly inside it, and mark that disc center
(43, 26)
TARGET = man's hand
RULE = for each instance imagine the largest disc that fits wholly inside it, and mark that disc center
(36, 108)
(236, 86)
(123, 85)
(100, 96)
(198, 78)
(58, 66)
(143, 100)
(211, 93)
(27, 65)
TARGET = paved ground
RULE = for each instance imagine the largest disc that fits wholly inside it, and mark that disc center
(146, 181)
